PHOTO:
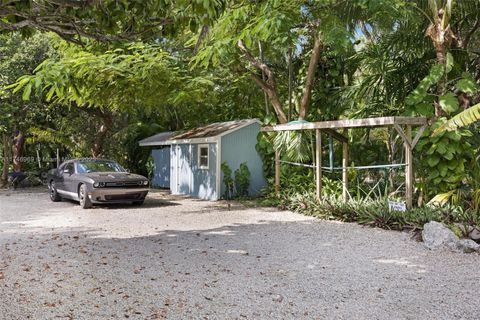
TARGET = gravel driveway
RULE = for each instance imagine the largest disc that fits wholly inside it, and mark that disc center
(180, 258)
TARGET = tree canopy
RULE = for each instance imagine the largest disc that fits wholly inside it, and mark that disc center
(131, 68)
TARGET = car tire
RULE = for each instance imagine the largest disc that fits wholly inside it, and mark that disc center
(85, 201)
(54, 196)
(138, 203)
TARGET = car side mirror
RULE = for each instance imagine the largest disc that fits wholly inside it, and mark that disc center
(66, 171)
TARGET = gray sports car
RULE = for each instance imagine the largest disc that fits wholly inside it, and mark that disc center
(91, 181)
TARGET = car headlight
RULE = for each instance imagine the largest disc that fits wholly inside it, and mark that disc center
(145, 183)
(99, 184)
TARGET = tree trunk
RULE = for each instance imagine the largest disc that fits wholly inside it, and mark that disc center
(102, 134)
(269, 86)
(6, 160)
(18, 147)
(312, 68)
(441, 37)
(99, 139)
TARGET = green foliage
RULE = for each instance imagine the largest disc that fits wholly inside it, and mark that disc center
(375, 61)
(467, 84)
(118, 79)
(463, 119)
(443, 155)
(18, 57)
(236, 187)
(242, 180)
(448, 102)
(372, 212)
(421, 93)
(109, 20)
(443, 158)
(266, 152)
(331, 187)
(228, 181)
(294, 145)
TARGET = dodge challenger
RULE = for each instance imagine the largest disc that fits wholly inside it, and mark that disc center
(94, 181)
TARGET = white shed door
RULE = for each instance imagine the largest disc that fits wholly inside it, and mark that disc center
(173, 169)
(183, 169)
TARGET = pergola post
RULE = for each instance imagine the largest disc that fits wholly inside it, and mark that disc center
(345, 171)
(318, 160)
(277, 171)
(409, 167)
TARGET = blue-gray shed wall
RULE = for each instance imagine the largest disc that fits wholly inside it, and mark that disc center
(161, 167)
(187, 178)
(238, 147)
(204, 180)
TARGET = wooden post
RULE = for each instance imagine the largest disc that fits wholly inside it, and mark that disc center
(58, 158)
(318, 160)
(38, 159)
(409, 168)
(277, 171)
(345, 171)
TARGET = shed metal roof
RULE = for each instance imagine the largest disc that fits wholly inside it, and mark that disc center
(156, 139)
(207, 133)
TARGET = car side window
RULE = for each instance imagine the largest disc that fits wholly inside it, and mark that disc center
(80, 168)
(69, 167)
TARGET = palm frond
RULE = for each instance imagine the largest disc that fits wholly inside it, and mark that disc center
(295, 145)
(462, 119)
(442, 198)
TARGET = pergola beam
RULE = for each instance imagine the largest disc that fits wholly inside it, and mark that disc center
(340, 137)
(402, 134)
(418, 135)
(350, 123)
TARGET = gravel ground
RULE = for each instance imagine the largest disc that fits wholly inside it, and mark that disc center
(180, 258)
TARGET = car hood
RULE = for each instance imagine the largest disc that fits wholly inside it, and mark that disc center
(113, 176)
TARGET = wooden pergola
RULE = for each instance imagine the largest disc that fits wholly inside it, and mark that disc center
(403, 125)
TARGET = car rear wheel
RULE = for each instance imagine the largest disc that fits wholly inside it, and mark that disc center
(85, 202)
(54, 196)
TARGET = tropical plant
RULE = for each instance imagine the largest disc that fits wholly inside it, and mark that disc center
(463, 119)
(228, 181)
(17, 57)
(107, 20)
(242, 180)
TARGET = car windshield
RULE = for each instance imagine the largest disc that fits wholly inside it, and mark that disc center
(99, 166)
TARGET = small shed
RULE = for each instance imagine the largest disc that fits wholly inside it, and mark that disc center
(189, 162)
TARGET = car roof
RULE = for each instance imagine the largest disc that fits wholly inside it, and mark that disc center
(84, 160)
(92, 159)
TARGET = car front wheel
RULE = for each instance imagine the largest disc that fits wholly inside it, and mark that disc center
(85, 202)
(54, 196)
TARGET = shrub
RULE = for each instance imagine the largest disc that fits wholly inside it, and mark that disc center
(227, 181)
(242, 180)
(371, 212)
(237, 187)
